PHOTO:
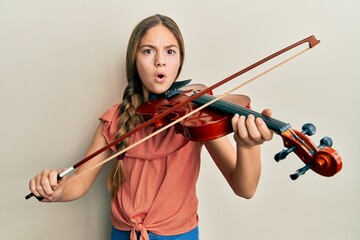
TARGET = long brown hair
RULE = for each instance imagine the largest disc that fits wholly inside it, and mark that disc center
(133, 94)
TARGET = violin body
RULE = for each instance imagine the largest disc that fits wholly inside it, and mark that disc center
(201, 126)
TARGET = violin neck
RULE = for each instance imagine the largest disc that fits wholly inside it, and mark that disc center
(230, 108)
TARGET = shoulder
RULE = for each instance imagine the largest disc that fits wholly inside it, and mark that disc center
(110, 113)
(109, 121)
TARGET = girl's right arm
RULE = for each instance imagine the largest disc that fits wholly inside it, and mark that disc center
(45, 184)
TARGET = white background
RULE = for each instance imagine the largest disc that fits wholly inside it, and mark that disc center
(62, 65)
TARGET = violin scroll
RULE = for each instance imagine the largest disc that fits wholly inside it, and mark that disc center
(322, 159)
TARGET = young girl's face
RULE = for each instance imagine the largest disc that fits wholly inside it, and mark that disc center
(157, 60)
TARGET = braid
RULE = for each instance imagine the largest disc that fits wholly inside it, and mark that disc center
(127, 121)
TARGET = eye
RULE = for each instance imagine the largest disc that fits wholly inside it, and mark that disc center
(148, 51)
(171, 52)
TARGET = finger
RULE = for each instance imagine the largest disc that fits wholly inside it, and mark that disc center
(253, 132)
(241, 128)
(265, 133)
(53, 181)
(242, 135)
(267, 112)
(38, 187)
(234, 122)
(32, 187)
(45, 183)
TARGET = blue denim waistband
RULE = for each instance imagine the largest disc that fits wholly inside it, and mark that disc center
(125, 235)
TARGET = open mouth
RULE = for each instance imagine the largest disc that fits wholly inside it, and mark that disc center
(160, 77)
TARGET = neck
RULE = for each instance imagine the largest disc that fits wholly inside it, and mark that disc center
(231, 109)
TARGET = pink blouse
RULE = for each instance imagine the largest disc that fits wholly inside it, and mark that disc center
(159, 193)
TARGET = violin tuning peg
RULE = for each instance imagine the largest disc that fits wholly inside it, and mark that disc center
(325, 142)
(283, 154)
(309, 129)
(301, 171)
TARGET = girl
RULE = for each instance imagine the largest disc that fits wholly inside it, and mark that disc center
(153, 186)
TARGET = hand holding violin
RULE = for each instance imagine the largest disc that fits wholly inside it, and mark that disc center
(251, 131)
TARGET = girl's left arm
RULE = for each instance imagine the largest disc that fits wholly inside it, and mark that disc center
(241, 167)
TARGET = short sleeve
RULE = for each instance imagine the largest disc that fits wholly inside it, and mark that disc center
(110, 120)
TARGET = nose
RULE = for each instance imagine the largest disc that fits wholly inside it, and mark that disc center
(160, 60)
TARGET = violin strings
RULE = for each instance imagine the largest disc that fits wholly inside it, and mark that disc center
(274, 122)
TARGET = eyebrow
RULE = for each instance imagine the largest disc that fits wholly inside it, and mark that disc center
(153, 47)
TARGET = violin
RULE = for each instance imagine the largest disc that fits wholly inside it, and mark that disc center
(214, 121)
(322, 159)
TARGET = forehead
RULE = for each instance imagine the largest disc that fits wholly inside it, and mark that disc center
(158, 35)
